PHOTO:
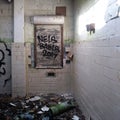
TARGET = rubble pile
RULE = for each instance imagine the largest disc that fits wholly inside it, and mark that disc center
(40, 107)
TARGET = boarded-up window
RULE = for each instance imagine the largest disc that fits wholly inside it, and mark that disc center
(48, 46)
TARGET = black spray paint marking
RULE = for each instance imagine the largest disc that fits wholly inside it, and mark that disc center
(2, 69)
(2, 63)
(2, 72)
(47, 38)
(6, 80)
(47, 44)
(7, 49)
(2, 58)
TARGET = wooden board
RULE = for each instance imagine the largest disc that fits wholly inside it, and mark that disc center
(48, 46)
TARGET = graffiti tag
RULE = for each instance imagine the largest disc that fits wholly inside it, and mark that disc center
(2, 62)
(2, 69)
(47, 44)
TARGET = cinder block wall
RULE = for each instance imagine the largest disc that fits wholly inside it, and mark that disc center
(6, 37)
(37, 79)
(97, 70)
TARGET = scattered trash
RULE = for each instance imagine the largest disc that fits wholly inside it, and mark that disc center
(27, 116)
(75, 117)
(12, 104)
(67, 96)
(44, 107)
(39, 112)
(34, 99)
(62, 107)
(45, 118)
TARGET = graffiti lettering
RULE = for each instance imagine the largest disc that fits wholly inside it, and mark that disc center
(2, 71)
(6, 80)
(51, 47)
(2, 58)
(49, 54)
(7, 49)
(47, 44)
(47, 38)
(2, 62)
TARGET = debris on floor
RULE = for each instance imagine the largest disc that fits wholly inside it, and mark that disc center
(44, 107)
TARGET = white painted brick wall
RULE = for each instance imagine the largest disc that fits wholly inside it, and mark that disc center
(18, 70)
(97, 73)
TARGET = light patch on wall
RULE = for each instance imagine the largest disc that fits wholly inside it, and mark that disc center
(118, 2)
(112, 11)
(94, 15)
